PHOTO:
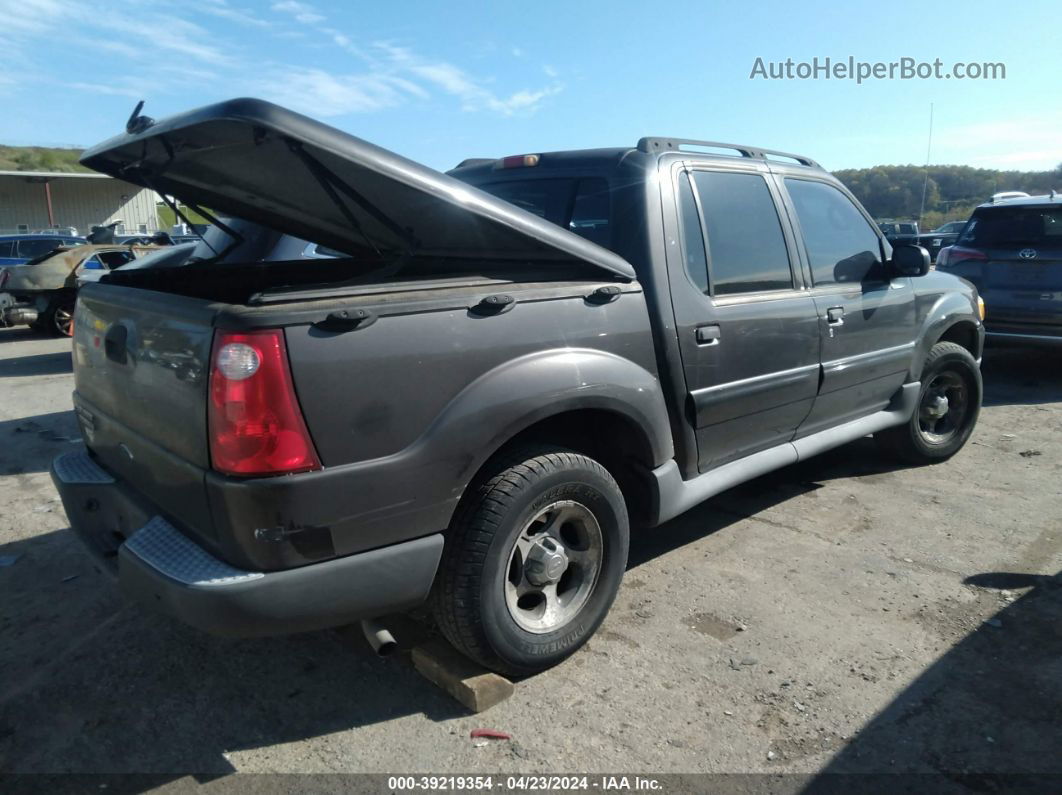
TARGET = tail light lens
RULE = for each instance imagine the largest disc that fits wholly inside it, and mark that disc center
(256, 425)
(953, 254)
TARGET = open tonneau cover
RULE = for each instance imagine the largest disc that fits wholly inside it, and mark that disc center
(255, 160)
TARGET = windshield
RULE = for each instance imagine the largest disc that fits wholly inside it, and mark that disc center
(1015, 226)
(579, 204)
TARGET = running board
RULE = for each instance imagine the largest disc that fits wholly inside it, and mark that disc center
(675, 495)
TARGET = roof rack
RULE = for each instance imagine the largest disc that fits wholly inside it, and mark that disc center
(654, 144)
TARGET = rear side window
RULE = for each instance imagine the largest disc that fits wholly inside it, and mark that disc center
(1014, 226)
(115, 259)
(7, 248)
(580, 204)
(743, 241)
(590, 213)
(34, 247)
(841, 244)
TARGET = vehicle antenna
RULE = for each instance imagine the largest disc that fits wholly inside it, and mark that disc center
(929, 148)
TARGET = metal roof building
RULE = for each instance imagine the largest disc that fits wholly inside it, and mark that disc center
(32, 201)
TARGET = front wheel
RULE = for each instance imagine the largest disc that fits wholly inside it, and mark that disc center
(948, 404)
(533, 561)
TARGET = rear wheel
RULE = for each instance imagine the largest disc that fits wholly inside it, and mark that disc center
(58, 318)
(533, 561)
(948, 404)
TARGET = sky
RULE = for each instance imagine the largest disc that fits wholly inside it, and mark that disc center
(442, 81)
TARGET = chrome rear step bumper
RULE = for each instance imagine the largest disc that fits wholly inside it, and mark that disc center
(159, 566)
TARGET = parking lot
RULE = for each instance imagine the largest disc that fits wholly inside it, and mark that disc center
(840, 615)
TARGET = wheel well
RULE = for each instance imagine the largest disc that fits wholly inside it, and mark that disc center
(962, 333)
(613, 440)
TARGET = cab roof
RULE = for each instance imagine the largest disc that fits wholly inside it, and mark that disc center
(646, 146)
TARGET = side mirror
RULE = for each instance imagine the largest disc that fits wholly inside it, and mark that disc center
(910, 260)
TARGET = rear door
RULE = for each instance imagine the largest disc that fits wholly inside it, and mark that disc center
(866, 321)
(747, 327)
(1021, 280)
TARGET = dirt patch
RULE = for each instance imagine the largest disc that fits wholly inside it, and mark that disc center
(713, 626)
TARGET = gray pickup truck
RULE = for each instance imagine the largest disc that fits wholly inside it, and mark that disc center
(505, 369)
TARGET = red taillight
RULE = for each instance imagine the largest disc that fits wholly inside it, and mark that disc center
(953, 254)
(256, 425)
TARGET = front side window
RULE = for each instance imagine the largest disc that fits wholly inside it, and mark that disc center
(841, 244)
(744, 243)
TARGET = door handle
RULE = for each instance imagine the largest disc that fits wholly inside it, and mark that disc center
(708, 335)
(114, 343)
(835, 315)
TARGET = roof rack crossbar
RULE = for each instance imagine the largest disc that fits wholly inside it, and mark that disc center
(657, 144)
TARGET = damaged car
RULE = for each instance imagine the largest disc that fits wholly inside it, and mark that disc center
(41, 293)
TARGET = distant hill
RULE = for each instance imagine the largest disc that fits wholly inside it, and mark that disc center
(951, 194)
(39, 158)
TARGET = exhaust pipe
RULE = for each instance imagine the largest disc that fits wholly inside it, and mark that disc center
(379, 637)
(19, 315)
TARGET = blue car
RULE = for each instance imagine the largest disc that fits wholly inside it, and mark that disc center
(17, 249)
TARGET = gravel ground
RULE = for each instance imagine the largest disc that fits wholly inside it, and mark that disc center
(840, 615)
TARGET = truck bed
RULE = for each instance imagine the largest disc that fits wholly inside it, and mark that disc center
(397, 407)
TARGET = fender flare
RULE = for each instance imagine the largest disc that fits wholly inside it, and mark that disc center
(512, 397)
(949, 310)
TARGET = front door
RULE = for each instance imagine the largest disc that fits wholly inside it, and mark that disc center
(867, 321)
(747, 327)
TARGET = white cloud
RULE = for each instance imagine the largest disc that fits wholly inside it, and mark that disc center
(33, 15)
(222, 9)
(140, 27)
(108, 89)
(321, 93)
(455, 81)
(173, 35)
(303, 12)
(1023, 143)
(161, 51)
